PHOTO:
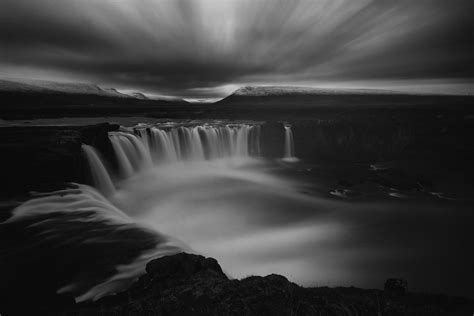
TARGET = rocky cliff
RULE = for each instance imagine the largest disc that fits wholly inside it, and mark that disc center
(38, 156)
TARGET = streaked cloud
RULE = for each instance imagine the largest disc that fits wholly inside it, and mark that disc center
(200, 48)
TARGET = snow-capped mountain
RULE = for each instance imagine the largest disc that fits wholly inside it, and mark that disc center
(259, 91)
(51, 87)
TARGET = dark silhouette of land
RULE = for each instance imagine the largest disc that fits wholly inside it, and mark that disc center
(23, 101)
(185, 284)
(26, 100)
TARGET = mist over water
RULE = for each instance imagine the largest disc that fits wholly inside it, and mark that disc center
(205, 189)
(209, 188)
(255, 218)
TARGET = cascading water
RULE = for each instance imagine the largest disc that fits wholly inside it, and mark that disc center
(150, 146)
(200, 189)
(137, 149)
(179, 181)
(100, 176)
(289, 154)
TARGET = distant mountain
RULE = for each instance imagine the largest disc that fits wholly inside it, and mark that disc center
(336, 98)
(114, 92)
(139, 95)
(288, 90)
(37, 98)
(51, 87)
(164, 98)
(156, 97)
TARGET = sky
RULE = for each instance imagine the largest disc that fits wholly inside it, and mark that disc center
(207, 48)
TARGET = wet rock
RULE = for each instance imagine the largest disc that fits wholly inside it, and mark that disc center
(183, 265)
(273, 134)
(36, 158)
(396, 286)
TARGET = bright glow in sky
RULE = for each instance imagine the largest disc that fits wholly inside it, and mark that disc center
(200, 48)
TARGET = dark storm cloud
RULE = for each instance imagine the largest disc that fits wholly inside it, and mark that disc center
(189, 48)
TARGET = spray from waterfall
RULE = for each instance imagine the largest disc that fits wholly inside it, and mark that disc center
(289, 153)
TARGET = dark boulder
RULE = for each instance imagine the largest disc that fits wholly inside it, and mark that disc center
(396, 286)
(183, 265)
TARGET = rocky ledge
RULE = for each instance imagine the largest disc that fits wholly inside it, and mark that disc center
(186, 284)
(36, 158)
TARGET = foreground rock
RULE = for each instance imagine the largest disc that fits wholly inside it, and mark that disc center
(186, 284)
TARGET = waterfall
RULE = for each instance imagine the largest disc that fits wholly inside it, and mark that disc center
(124, 163)
(289, 154)
(100, 176)
(143, 147)
(154, 145)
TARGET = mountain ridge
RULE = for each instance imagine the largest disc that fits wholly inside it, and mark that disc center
(37, 99)
(307, 97)
(300, 90)
(53, 87)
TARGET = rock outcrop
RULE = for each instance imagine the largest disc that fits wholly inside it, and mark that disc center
(396, 286)
(36, 157)
(186, 284)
